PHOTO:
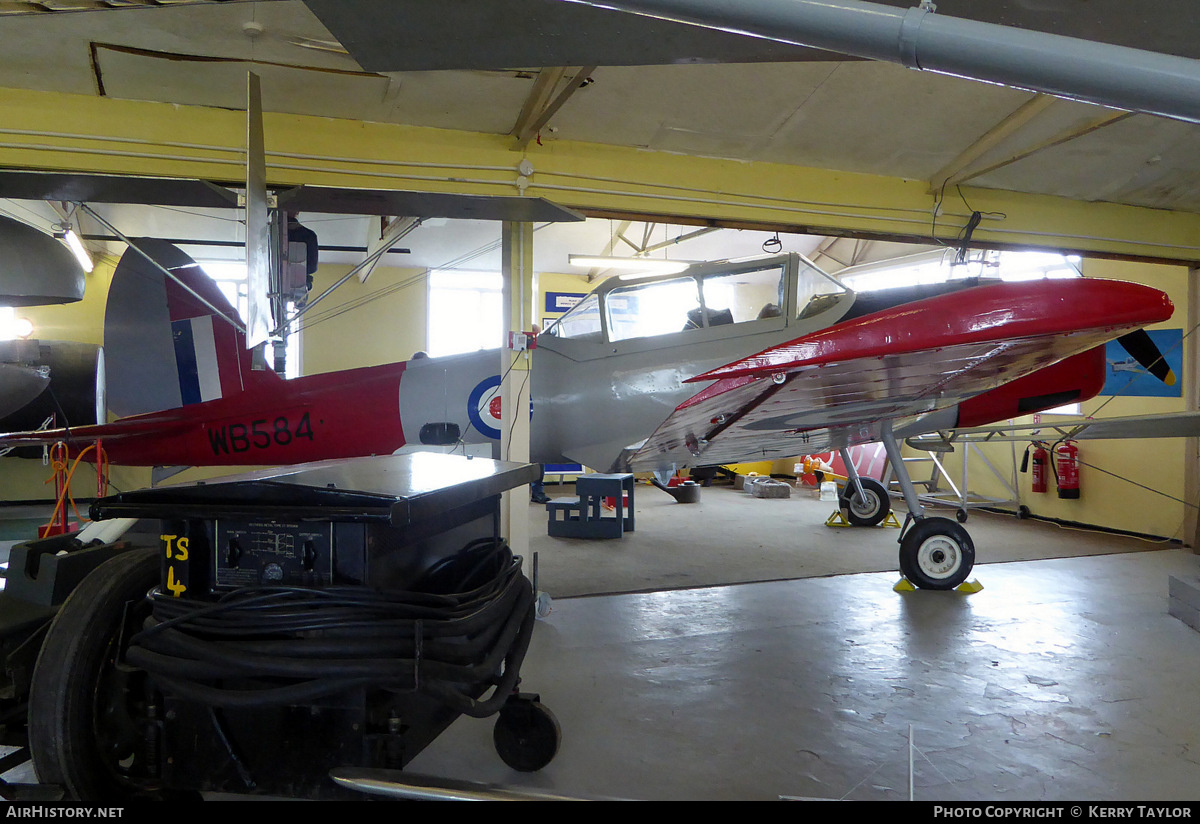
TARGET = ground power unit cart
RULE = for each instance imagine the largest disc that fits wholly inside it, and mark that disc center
(288, 623)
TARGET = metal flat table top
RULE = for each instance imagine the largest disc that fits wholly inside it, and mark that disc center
(397, 489)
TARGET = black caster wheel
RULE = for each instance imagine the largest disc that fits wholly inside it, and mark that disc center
(961, 515)
(526, 734)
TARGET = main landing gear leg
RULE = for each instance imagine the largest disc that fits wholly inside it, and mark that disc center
(864, 499)
(935, 553)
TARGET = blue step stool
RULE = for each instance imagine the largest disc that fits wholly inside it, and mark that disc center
(584, 516)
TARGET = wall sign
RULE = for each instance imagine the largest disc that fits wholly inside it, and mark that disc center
(1125, 377)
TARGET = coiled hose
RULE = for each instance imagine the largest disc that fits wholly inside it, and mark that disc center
(464, 627)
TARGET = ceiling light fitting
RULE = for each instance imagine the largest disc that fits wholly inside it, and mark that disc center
(66, 234)
(630, 264)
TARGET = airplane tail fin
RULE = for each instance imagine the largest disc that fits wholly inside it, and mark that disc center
(170, 341)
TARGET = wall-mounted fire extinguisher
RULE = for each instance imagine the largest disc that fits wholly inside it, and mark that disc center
(1066, 468)
(1039, 467)
(1039, 456)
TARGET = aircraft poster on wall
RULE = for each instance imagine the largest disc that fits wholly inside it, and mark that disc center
(1123, 376)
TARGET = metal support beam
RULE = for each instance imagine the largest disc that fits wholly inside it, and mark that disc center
(1191, 454)
(991, 139)
(530, 129)
(1057, 140)
(395, 229)
(617, 235)
(544, 84)
(519, 295)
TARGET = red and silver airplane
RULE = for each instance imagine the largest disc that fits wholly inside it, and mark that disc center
(719, 364)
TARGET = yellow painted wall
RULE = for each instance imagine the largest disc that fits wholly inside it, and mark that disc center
(82, 320)
(44, 130)
(365, 324)
(560, 282)
(1117, 500)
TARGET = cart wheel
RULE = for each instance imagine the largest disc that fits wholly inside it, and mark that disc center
(526, 734)
(868, 511)
(961, 515)
(83, 704)
(936, 553)
(1023, 512)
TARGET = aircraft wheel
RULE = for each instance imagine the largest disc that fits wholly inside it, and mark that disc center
(869, 510)
(526, 734)
(936, 553)
(84, 704)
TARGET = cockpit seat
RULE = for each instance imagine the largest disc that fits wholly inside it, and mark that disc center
(716, 317)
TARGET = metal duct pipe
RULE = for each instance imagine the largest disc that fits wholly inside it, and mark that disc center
(1084, 70)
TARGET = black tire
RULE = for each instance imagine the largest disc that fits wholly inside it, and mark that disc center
(526, 735)
(82, 733)
(936, 553)
(869, 511)
(961, 516)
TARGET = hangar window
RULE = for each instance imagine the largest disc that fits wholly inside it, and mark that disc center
(230, 277)
(465, 312)
(942, 265)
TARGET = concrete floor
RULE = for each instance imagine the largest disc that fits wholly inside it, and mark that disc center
(1064, 679)
(731, 537)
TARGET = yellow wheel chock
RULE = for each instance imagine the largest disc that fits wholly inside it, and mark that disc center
(838, 519)
(966, 587)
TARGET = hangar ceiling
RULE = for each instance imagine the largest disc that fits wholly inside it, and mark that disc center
(769, 102)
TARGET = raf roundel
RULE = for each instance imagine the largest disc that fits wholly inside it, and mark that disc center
(483, 407)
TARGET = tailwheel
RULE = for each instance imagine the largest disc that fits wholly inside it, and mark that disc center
(87, 708)
(526, 734)
(936, 553)
(868, 509)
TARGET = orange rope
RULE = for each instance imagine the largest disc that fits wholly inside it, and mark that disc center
(60, 457)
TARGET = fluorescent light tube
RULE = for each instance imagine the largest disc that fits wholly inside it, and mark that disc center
(655, 265)
(76, 246)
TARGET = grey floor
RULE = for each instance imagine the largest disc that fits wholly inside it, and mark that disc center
(730, 537)
(1063, 679)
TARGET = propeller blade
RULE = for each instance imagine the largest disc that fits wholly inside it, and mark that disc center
(1143, 350)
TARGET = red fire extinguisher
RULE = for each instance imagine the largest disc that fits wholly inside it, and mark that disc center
(1066, 468)
(1039, 467)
